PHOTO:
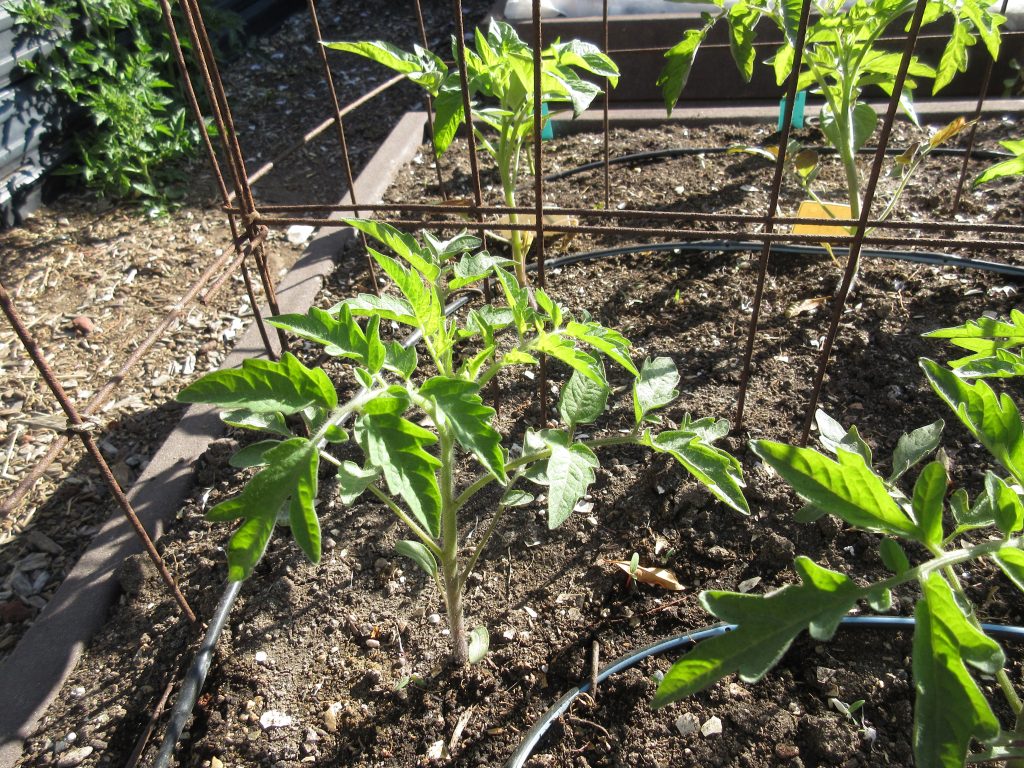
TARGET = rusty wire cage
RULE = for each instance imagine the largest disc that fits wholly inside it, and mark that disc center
(250, 221)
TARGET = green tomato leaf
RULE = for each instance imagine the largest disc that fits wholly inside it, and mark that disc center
(419, 554)
(741, 19)
(562, 348)
(679, 62)
(1005, 504)
(655, 387)
(581, 401)
(353, 480)
(388, 307)
(252, 455)
(265, 422)
(929, 493)
(263, 386)
(950, 709)
(893, 556)
(610, 342)
(766, 627)
(954, 57)
(516, 498)
(290, 472)
(570, 471)
(1011, 560)
(400, 360)
(915, 446)
(340, 337)
(396, 445)
(1012, 167)
(833, 437)
(470, 420)
(994, 421)
(847, 489)
(716, 469)
(403, 244)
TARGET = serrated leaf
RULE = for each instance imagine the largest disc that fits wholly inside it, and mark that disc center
(419, 554)
(266, 422)
(950, 709)
(766, 627)
(655, 388)
(473, 267)
(912, 447)
(893, 556)
(562, 348)
(993, 420)
(285, 386)
(581, 401)
(353, 480)
(570, 471)
(929, 493)
(399, 359)
(396, 445)
(741, 19)
(470, 420)
(340, 336)
(403, 244)
(606, 340)
(479, 642)
(387, 306)
(716, 469)
(252, 455)
(848, 488)
(290, 473)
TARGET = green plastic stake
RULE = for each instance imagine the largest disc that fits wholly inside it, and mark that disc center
(546, 132)
(798, 110)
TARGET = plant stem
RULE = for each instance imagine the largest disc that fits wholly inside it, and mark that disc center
(450, 551)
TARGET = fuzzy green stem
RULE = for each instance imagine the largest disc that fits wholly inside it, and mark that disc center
(450, 552)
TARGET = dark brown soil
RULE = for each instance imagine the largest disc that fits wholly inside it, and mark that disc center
(360, 637)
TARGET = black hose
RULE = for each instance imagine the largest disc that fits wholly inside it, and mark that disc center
(540, 727)
(664, 154)
(933, 258)
(196, 675)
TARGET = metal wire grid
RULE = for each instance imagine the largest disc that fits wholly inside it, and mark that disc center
(249, 221)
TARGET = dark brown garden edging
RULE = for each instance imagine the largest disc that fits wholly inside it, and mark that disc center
(34, 672)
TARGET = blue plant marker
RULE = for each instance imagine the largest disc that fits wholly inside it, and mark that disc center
(798, 110)
(546, 132)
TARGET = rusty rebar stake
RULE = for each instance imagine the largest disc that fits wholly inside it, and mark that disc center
(78, 426)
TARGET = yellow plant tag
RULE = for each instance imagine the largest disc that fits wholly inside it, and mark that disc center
(812, 210)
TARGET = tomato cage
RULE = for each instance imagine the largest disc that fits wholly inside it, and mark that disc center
(465, 205)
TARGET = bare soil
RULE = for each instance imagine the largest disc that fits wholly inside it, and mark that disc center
(353, 651)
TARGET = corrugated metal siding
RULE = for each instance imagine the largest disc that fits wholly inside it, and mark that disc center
(32, 126)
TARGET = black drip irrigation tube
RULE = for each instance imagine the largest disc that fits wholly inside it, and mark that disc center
(541, 726)
(196, 676)
(665, 154)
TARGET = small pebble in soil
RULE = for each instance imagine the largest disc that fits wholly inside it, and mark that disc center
(687, 724)
(74, 757)
(712, 726)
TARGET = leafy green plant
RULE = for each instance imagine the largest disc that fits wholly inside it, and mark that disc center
(950, 708)
(110, 60)
(994, 346)
(1012, 167)
(842, 57)
(410, 468)
(500, 70)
